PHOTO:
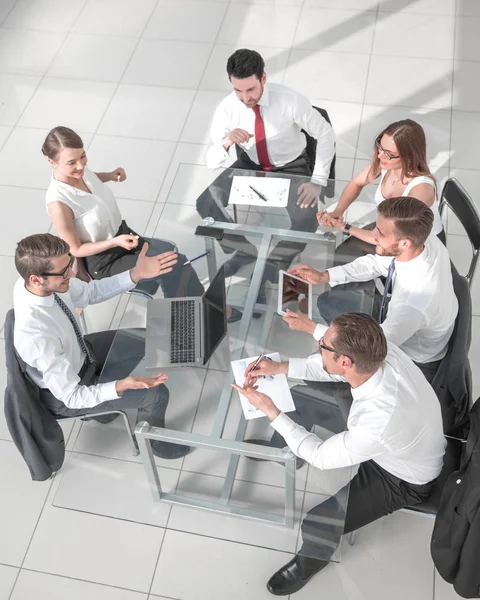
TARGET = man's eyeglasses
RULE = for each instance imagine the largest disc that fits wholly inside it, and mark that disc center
(330, 349)
(63, 273)
(388, 154)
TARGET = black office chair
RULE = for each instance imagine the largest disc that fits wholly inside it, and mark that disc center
(311, 153)
(22, 408)
(459, 202)
(453, 380)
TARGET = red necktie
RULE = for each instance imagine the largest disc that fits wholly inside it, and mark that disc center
(260, 140)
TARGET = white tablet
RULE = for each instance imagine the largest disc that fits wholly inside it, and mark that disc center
(289, 288)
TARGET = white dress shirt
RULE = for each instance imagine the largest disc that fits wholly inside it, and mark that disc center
(284, 114)
(395, 420)
(437, 226)
(423, 306)
(45, 339)
(96, 215)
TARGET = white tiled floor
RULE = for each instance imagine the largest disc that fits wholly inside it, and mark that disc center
(139, 80)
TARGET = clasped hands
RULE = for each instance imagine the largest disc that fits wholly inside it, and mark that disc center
(331, 220)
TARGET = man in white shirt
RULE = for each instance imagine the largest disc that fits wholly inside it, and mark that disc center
(423, 306)
(394, 439)
(60, 360)
(264, 121)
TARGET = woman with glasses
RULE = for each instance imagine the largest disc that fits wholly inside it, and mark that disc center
(400, 161)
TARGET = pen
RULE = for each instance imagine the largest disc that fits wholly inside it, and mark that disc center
(196, 258)
(259, 194)
(255, 364)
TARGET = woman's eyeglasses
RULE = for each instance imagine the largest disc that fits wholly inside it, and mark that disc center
(63, 273)
(388, 154)
(330, 349)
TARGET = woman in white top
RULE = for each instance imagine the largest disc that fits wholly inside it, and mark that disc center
(400, 160)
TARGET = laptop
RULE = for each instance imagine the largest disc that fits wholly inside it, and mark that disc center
(184, 332)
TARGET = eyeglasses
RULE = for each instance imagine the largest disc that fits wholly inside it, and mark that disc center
(62, 273)
(330, 349)
(388, 154)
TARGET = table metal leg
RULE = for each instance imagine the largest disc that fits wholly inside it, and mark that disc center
(149, 460)
(233, 464)
(290, 471)
(224, 404)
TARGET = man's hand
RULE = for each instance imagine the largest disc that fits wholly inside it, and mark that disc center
(148, 267)
(265, 368)
(309, 274)
(136, 382)
(299, 322)
(127, 241)
(118, 175)
(237, 136)
(308, 194)
(258, 400)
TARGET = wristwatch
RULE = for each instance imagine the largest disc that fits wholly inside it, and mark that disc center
(346, 229)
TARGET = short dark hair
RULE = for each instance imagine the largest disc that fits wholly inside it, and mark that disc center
(245, 63)
(34, 253)
(412, 218)
(360, 337)
(58, 138)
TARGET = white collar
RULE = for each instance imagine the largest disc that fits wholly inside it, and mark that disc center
(366, 390)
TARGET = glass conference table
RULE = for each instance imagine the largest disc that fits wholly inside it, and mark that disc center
(219, 475)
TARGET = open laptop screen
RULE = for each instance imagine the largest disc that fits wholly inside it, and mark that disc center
(215, 307)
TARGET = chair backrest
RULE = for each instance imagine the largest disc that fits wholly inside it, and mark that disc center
(459, 202)
(34, 429)
(453, 381)
(311, 147)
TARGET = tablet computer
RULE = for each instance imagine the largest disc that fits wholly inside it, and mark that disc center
(290, 287)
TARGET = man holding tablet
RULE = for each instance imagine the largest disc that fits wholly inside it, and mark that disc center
(421, 313)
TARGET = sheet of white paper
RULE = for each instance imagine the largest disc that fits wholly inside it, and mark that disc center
(276, 387)
(274, 189)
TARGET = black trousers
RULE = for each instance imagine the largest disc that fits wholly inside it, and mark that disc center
(181, 281)
(212, 203)
(123, 359)
(372, 494)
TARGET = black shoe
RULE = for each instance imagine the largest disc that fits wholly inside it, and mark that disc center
(238, 260)
(169, 451)
(292, 577)
(299, 462)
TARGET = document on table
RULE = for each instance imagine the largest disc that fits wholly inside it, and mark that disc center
(260, 191)
(276, 387)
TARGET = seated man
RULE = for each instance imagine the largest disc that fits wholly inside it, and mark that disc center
(394, 437)
(423, 306)
(264, 121)
(60, 360)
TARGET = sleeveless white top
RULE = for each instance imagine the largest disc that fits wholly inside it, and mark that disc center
(97, 217)
(437, 220)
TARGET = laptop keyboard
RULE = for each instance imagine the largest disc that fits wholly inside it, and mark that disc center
(182, 342)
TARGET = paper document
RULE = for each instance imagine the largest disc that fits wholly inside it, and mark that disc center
(260, 191)
(276, 387)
